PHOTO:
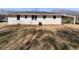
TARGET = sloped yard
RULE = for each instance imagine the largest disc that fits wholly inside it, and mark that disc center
(39, 38)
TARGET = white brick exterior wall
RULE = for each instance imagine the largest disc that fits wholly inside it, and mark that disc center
(28, 20)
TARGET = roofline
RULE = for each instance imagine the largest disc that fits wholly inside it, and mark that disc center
(37, 13)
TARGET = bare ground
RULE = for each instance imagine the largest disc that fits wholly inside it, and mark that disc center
(62, 37)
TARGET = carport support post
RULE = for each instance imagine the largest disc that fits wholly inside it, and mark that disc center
(74, 20)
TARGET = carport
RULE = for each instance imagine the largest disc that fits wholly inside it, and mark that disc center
(72, 20)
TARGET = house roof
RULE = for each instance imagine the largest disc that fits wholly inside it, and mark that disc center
(33, 13)
(57, 12)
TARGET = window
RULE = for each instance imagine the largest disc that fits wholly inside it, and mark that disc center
(25, 16)
(54, 17)
(44, 17)
(18, 17)
(2, 18)
(34, 17)
(78, 19)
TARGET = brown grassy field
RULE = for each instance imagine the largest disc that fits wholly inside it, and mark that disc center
(57, 37)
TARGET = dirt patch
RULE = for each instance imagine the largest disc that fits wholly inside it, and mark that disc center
(39, 38)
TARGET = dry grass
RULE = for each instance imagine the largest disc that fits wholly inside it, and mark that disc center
(39, 37)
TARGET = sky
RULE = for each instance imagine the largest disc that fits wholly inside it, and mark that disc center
(39, 9)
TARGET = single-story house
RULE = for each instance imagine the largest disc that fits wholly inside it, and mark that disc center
(37, 18)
